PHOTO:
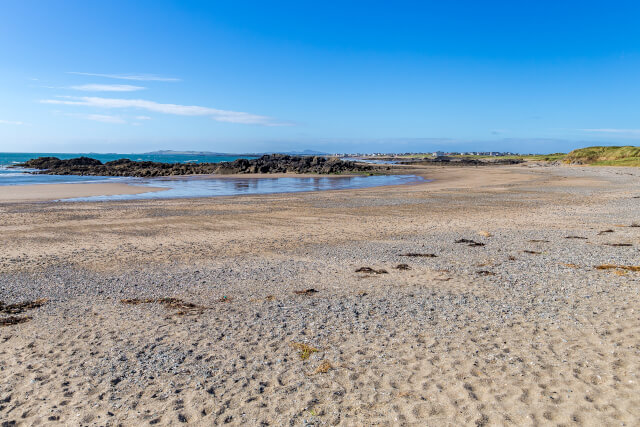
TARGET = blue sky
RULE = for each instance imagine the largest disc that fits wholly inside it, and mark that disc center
(242, 76)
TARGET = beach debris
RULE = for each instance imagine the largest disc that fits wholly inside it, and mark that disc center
(14, 320)
(538, 241)
(575, 237)
(309, 291)
(619, 267)
(485, 233)
(270, 298)
(511, 258)
(635, 224)
(485, 264)
(404, 394)
(169, 303)
(224, 298)
(21, 307)
(304, 350)
(485, 273)
(605, 232)
(469, 242)
(526, 251)
(442, 277)
(403, 267)
(136, 301)
(324, 367)
(370, 270)
(419, 255)
(570, 265)
(18, 308)
(618, 244)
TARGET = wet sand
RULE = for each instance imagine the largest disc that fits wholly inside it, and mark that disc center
(43, 192)
(480, 303)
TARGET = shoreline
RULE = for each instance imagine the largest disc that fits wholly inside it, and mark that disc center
(437, 177)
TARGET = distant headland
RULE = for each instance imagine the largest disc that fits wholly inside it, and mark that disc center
(213, 153)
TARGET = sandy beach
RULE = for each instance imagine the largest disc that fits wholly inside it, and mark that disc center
(495, 295)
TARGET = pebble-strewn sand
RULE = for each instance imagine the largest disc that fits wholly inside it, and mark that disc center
(522, 330)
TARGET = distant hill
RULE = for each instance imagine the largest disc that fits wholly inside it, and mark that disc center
(605, 156)
(186, 153)
(211, 153)
(301, 153)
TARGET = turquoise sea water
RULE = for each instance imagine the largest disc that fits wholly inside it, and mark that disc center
(188, 186)
(13, 158)
(11, 176)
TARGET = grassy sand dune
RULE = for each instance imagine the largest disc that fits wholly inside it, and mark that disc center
(605, 156)
(595, 156)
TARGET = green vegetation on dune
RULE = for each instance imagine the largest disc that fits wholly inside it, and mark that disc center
(532, 157)
(547, 157)
(594, 156)
(605, 156)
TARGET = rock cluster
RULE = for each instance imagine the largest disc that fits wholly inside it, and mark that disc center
(270, 163)
(280, 163)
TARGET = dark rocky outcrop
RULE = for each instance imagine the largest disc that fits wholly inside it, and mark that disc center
(271, 163)
(280, 163)
(54, 162)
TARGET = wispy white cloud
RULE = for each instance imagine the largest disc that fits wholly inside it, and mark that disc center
(143, 118)
(614, 131)
(11, 122)
(138, 77)
(103, 118)
(107, 88)
(174, 109)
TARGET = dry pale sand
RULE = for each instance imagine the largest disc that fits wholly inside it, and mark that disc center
(42, 192)
(518, 328)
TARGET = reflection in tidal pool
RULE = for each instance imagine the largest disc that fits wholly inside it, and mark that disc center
(210, 187)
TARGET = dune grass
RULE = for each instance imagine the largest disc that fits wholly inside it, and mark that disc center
(532, 157)
(595, 156)
(605, 156)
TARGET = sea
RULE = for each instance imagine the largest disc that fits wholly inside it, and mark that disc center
(12, 176)
(183, 187)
